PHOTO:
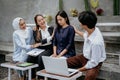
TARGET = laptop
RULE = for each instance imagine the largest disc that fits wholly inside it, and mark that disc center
(57, 66)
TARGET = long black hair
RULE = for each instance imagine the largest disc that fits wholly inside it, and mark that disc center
(38, 35)
(63, 14)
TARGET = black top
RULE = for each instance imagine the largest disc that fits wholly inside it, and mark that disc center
(43, 41)
(64, 39)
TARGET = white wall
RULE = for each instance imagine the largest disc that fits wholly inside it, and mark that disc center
(9, 9)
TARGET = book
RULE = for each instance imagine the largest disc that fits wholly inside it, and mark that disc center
(24, 64)
(35, 52)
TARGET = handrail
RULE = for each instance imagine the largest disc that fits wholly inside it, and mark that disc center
(98, 24)
(108, 24)
(30, 25)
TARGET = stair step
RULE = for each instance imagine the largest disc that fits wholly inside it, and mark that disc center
(109, 37)
(6, 47)
(109, 72)
(8, 57)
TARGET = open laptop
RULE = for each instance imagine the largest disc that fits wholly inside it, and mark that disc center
(57, 66)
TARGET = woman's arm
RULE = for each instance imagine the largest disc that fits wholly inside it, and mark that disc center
(43, 41)
(54, 51)
(54, 45)
(17, 40)
(48, 39)
(62, 53)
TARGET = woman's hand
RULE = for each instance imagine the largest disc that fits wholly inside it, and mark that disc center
(34, 28)
(54, 55)
(61, 54)
(58, 56)
(36, 45)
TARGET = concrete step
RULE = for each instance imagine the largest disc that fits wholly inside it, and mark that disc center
(8, 57)
(6, 47)
(110, 72)
(104, 25)
(13, 77)
(109, 37)
(115, 56)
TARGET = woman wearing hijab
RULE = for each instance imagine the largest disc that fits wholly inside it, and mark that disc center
(23, 41)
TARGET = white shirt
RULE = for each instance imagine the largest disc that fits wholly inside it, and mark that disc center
(46, 35)
(94, 49)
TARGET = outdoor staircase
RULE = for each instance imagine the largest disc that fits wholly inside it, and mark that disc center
(111, 67)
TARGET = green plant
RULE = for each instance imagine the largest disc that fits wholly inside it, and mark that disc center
(87, 6)
(60, 4)
(94, 3)
(74, 12)
(116, 7)
(48, 18)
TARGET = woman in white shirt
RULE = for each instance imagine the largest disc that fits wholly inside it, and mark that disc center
(22, 40)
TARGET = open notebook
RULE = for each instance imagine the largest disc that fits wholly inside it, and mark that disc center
(35, 52)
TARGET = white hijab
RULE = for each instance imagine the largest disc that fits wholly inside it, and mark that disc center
(23, 34)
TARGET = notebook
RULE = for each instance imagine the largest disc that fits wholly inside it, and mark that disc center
(35, 52)
(24, 64)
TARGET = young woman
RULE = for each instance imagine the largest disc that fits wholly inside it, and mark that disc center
(23, 40)
(42, 34)
(63, 42)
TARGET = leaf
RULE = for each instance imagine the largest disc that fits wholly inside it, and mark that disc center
(94, 3)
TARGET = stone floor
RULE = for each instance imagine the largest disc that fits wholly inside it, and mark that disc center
(4, 72)
(14, 77)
